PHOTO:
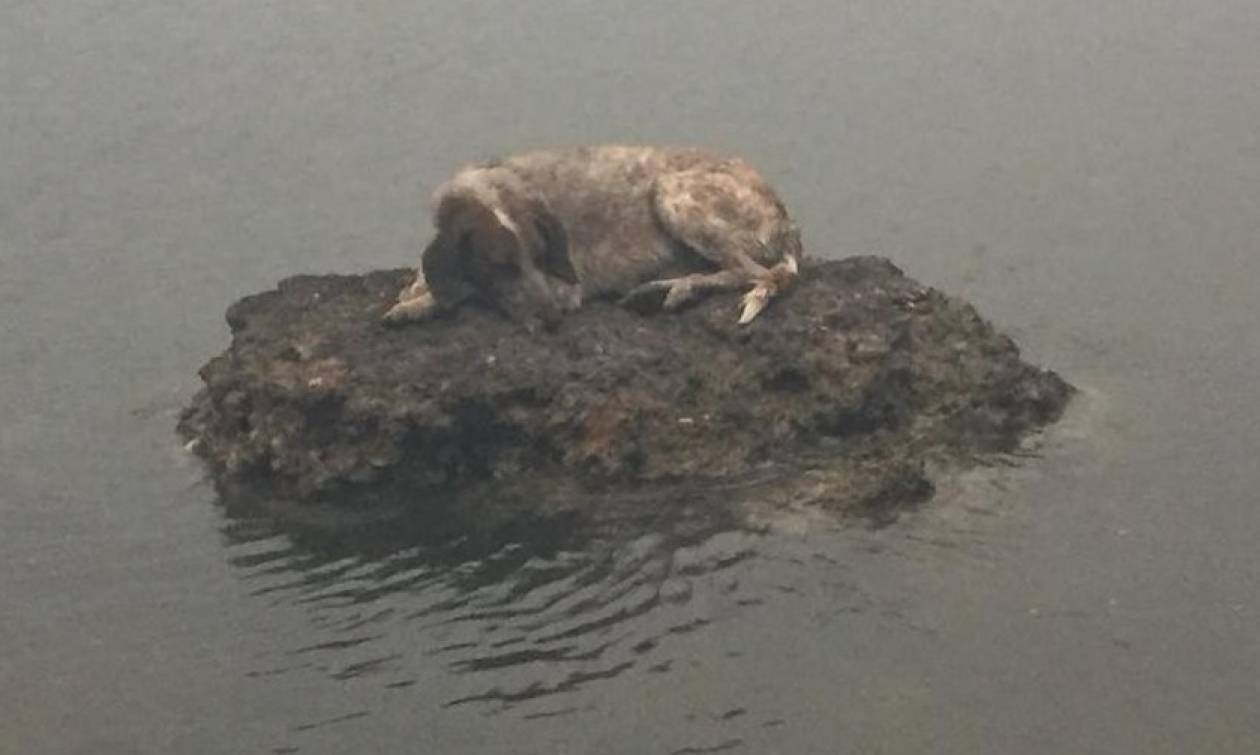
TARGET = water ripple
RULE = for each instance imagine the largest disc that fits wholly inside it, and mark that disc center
(539, 609)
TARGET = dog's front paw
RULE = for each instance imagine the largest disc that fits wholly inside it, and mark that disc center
(411, 310)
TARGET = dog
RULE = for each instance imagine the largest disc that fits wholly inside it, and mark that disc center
(539, 234)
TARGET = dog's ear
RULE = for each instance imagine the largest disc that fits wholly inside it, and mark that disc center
(440, 258)
(443, 269)
(552, 256)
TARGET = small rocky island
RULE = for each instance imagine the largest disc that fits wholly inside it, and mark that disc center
(859, 371)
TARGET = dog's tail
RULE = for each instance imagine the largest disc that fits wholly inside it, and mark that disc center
(776, 279)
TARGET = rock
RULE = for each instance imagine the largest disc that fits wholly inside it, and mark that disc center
(839, 393)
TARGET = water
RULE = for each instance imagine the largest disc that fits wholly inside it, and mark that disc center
(1088, 174)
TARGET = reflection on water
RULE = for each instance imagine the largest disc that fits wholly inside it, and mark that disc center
(531, 610)
(503, 605)
(545, 619)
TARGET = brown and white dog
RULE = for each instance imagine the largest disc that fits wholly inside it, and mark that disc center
(540, 233)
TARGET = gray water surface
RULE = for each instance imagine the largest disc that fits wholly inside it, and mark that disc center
(1087, 173)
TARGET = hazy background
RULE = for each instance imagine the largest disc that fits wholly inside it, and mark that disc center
(1088, 173)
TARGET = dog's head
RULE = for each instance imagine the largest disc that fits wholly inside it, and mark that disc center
(498, 240)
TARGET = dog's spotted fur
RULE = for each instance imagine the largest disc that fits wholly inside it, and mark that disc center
(539, 233)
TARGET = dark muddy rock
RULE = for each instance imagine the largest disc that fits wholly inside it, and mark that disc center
(851, 381)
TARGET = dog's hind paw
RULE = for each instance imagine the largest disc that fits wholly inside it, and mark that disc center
(754, 302)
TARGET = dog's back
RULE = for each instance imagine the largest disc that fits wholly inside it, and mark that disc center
(604, 198)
